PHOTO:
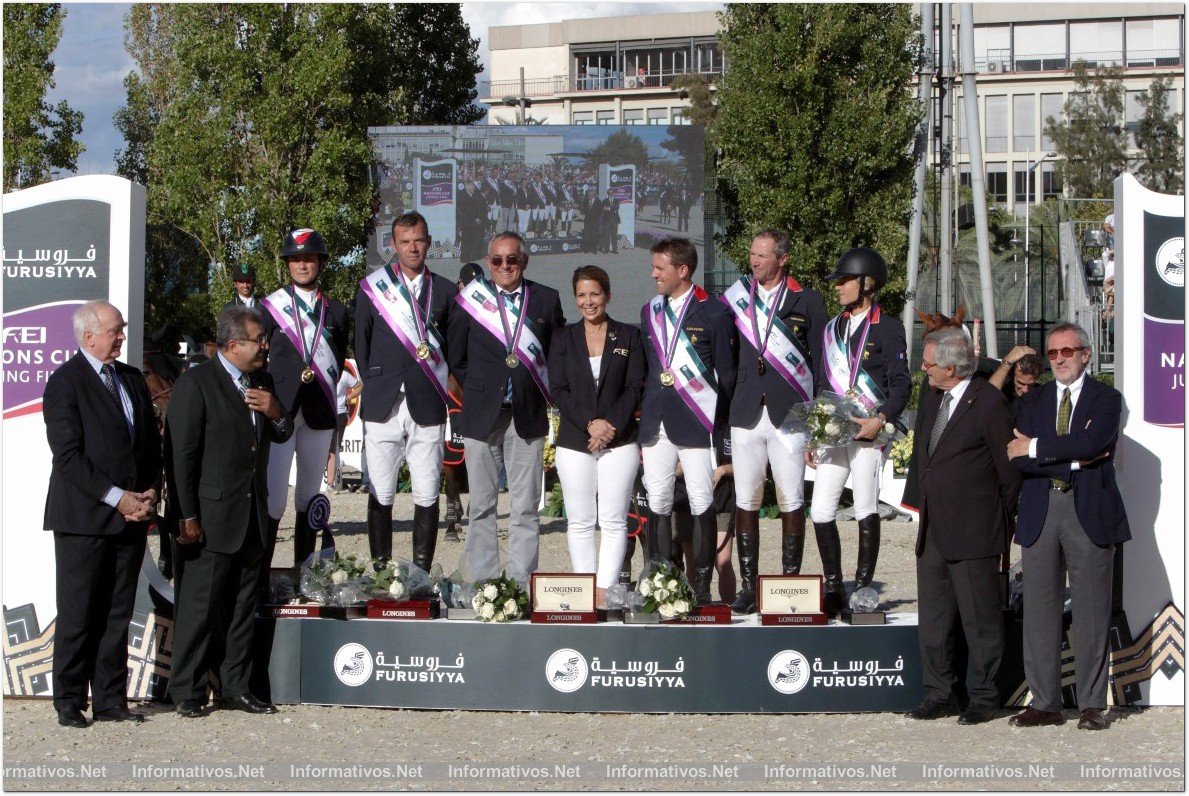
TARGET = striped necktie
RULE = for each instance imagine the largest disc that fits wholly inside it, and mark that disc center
(943, 416)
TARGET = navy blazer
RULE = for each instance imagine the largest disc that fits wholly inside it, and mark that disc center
(1093, 429)
(884, 358)
(711, 329)
(477, 361)
(803, 311)
(621, 383)
(285, 366)
(386, 367)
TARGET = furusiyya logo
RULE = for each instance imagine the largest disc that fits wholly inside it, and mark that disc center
(353, 664)
(1170, 262)
(788, 671)
(567, 671)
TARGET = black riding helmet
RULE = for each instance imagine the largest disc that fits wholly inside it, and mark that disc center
(303, 241)
(862, 261)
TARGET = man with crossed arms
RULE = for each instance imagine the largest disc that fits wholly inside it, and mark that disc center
(778, 321)
(690, 346)
(400, 340)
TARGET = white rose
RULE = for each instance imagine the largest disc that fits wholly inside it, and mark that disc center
(672, 584)
(667, 611)
(397, 589)
(662, 594)
(832, 428)
(888, 428)
(339, 576)
(477, 602)
(510, 607)
(487, 611)
(499, 616)
(490, 591)
(681, 606)
(645, 587)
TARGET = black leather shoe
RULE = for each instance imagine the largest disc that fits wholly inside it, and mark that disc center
(977, 715)
(119, 714)
(1031, 717)
(1092, 719)
(247, 703)
(928, 711)
(72, 718)
(191, 708)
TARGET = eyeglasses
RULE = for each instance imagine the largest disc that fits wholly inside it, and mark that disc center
(512, 259)
(927, 365)
(258, 340)
(1066, 352)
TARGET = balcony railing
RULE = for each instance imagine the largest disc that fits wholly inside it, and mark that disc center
(608, 81)
(1002, 62)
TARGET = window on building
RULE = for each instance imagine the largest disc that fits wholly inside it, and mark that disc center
(635, 116)
(1153, 42)
(997, 182)
(679, 116)
(1040, 47)
(1050, 188)
(658, 115)
(964, 178)
(1050, 105)
(582, 117)
(708, 58)
(597, 71)
(1022, 192)
(996, 124)
(992, 48)
(1096, 43)
(654, 66)
(604, 117)
(1023, 122)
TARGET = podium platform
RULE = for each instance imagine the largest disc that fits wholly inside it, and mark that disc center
(610, 667)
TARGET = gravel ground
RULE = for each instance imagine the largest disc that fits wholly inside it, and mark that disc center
(593, 751)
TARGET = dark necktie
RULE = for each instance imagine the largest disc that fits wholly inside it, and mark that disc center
(1063, 413)
(109, 381)
(510, 300)
(943, 416)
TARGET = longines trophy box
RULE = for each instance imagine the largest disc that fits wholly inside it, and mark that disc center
(790, 600)
(563, 598)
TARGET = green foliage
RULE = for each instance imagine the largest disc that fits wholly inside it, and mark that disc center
(247, 120)
(38, 136)
(814, 131)
(1091, 138)
(621, 147)
(688, 142)
(701, 108)
(1162, 162)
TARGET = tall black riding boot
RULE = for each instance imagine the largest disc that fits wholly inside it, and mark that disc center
(792, 541)
(304, 539)
(747, 535)
(705, 543)
(660, 537)
(868, 550)
(379, 528)
(829, 546)
(425, 534)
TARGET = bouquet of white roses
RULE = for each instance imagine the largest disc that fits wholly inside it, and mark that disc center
(331, 579)
(825, 421)
(500, 599)
(396, 579)
(664, 589)
(892, 430)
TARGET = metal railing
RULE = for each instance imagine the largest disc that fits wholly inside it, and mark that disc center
(1002, 62)
(613, 81)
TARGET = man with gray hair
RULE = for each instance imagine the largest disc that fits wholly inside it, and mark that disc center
(968, 491)
(103, 486)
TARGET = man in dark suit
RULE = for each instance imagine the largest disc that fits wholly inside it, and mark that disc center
(968, 493)
(221, 421)
(776, 365)
(101, 429)
(244, 277)
(1070, 518)
(498, 343)
(690, 344)
(401, 313)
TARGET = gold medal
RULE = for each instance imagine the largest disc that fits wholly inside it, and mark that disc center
(761, 366)
(667, 378)
(307, 376)
(423, 350)
(511, 361)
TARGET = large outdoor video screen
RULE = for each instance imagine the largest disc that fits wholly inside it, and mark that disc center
(580, 195)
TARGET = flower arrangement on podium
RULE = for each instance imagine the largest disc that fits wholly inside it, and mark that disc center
(499, 599)
(330, 579)
(825, 421)
(665, 590)
(397, 579)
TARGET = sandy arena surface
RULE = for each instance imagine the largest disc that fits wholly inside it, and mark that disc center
(589, 751)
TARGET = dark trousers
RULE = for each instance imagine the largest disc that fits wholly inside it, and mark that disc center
(213, 624)
(968, 591)
(96, 589)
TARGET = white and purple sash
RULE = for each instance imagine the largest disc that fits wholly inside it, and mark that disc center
(481, 301)
(395, 303)
(691, 378)
(294, 316)
(844, 371)
(767, 334)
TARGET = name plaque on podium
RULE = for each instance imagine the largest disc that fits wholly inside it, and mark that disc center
(790, 600)
(563, 598)
(312, 611)
(712, 614)
(402, 609)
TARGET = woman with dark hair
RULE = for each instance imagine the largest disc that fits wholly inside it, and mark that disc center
(596, 375)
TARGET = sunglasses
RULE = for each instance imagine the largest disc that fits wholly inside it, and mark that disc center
(512, 260)
(1066, 352)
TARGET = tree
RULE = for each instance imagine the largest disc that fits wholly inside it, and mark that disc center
(1161, 166)
(38, 137)
(248, 120)
(814, 131)
(619, 148)
(701, 108)
(1091, 138)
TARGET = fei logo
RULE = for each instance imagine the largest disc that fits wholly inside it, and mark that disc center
(1170, 262)
(353, 664)
(788, 671)
(566, 670)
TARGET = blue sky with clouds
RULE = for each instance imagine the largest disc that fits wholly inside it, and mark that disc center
(91, 61)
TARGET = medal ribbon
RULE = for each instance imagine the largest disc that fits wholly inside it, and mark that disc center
(780, 349)
(838, 357)
(390, 306)
(480, 301)
(691, 379)
(762, 343)
(422, 322)
(321, 358)
(669, 347)
(512, 338)
(300, 306)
